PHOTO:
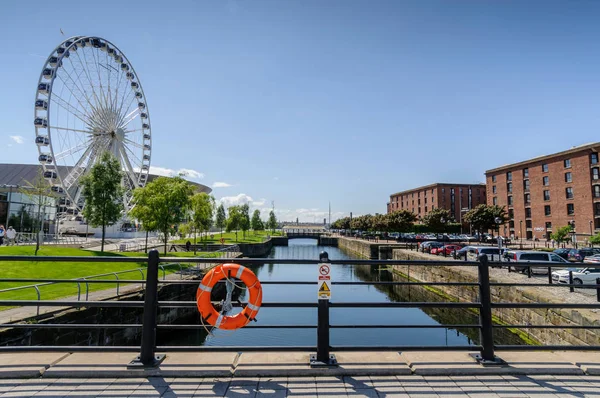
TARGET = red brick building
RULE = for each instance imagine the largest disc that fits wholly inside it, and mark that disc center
(549, 192)
(452, 197)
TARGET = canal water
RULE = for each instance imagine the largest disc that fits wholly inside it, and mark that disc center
(307, 248)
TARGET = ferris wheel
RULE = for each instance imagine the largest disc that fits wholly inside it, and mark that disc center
(89, 100)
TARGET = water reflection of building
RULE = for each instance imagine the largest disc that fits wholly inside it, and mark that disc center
(20, 210)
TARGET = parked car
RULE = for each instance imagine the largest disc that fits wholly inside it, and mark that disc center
(564, 253)
(448, 250)
(595, 259)
(493, 253)
(578, 255)
(519, 257)
(428, 245)
(580, 276)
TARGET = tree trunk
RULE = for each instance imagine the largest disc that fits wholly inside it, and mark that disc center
(103, 233)
(146, 248)
(165, 240)
(236, 235)
(194, 241)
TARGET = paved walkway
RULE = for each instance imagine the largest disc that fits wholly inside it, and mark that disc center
(348, 386)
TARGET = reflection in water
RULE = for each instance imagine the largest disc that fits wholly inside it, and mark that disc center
(307, 248)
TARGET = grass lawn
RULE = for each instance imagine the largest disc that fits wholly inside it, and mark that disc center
(251, 237)
(68, 270)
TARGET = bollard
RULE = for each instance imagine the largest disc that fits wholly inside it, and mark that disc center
(147, 357)
(571, 288)
(486, 335)
(550, 275)
(323, 357)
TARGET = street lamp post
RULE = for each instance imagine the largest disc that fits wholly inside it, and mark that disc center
(521, 236)
(591, 233)
(573, 233)
(498, 221)
(443, 221)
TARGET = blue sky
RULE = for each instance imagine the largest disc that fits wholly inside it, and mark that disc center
(305, 102)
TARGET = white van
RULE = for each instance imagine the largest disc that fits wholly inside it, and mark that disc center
(531, 256)
(493, 253)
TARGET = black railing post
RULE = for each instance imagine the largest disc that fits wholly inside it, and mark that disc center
(323, 357)
(486, 335)
(147, 357)
(571, 288)
(598, 289)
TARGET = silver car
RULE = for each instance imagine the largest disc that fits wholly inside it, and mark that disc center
(521, 258)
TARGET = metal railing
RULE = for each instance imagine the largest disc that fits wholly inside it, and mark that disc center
(482, 307)
(29, 238)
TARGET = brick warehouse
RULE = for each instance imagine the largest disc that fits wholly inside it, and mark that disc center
(549, 192)
(452, 197)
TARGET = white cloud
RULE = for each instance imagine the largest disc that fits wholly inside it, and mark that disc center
(163, 171)
(236, 200)
(303, 215)
(259, 203)
(17, 138)
(220, 184)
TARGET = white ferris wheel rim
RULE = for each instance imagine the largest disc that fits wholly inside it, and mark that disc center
(101, 111)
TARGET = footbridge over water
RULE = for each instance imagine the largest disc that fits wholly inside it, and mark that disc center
(319, 233)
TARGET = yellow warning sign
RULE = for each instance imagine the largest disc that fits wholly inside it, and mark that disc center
(324, 288)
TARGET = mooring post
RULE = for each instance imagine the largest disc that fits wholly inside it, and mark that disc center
(147, 357)
(323, 357)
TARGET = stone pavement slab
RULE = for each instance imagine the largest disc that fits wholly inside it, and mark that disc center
(538, 363)
(115, 365)
(15, 365)
(297, 364)
(589, 362)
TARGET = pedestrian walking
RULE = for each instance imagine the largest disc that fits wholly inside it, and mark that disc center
(2, 233)
(11, 234)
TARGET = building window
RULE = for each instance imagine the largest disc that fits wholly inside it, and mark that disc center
(511, 224)
(526, 173)
(509, 176)
(418, 201)
(546, 181)
(528, 223)
(432, 207)
(443, 190)
(432, 191)
(596, 191)
(594, 158)
(567, 163)
(493, 178)
(511, 213)
(509, 187)
(493, 189)
(597, 209)
(546, 195)
(527, 198)
(419, 194)
(569, 193)
(570, 209)
(419, 210)
(544, 168)
(548, 225)
(495, 200)
(510, 200)
(547, 210)
(425, 209)
(568, 177)
(528, 212)
(595, 173)
(526, 185)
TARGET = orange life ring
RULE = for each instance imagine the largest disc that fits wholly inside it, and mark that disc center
(208, 311)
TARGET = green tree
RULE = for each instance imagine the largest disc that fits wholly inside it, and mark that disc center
(103, 194)
(245, 220)
(221, 221)
(40, 194)
(342, 223)
(234, 220)
(437, 220)
(379, 222)
(362, 223)
(483, 217)
(257, 224)
(202, 207)
(562, 234)
(162, 204)
(272, 221)
(595, 240)
(401, 221)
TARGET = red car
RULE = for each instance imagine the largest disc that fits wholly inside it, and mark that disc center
(449, 249)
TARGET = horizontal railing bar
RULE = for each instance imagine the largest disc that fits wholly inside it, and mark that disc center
(407, 305)
(13, 280)
(545, 305)
(546, 326)
(405, 326)
(57, 303)
(407, 348)
(68, 325)
(556, 284)
(547, 347)
(69, 348)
